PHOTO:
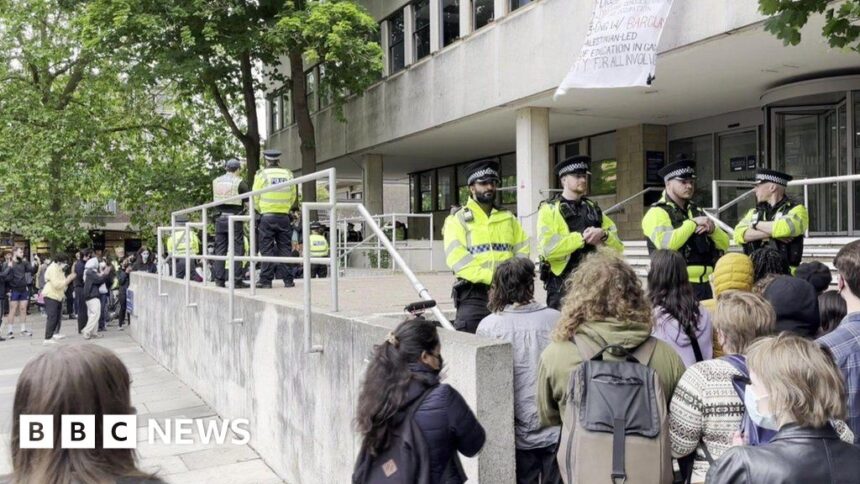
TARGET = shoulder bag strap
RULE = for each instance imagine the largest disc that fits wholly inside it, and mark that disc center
(693, 341)
(645, 351)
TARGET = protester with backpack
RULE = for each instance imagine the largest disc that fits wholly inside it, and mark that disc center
(603, 343)
(679, 319)
(527, 324)
(797, 388)
(412, 427)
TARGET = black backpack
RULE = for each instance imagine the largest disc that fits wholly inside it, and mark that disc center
(405, 461)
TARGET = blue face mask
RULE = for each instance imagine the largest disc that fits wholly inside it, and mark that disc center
(751, 402)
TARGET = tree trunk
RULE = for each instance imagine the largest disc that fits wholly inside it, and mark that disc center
(304, 124)
(251, 140)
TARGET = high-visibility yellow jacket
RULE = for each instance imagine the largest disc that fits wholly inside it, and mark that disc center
(226, 186)
(556, 243)
(790, 222)
(476, 243)
(319, 246)
(179, 248)
(662, 231)
(280, 201)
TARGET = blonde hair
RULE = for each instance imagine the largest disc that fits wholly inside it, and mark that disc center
(742, 317)
(602, 287)
(801, 378)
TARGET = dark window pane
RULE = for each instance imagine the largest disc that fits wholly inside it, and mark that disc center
(422, 29)
(483, 12)
(396, 54)
(426, 191)
(445, 187)
(450, 21)
(515, 4)
(311, 80)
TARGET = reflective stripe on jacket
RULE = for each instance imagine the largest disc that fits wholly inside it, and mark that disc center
(181, 246)
(473, 248)
(280, 201)
(226, 186)
(556, 242)
(319, 246)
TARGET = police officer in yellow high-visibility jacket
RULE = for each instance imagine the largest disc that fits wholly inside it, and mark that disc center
(275, 226)
(477, 238)
(676, 223)
(319, 248)
(776, 221)
(570, 226)
(225, 187)
(179, 247)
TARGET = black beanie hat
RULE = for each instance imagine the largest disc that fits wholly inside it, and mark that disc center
(796, 305)
(816, 274)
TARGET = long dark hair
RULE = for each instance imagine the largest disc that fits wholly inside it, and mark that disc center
(669, 288)
(386, 381)
(513, 282)
(73, 379)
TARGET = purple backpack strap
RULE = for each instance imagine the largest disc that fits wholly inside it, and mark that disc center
(755, 435)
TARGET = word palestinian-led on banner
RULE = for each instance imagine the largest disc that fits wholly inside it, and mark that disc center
(620, 49)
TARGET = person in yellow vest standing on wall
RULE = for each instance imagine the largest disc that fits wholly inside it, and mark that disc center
(776, 221)
(676, 223)
(178, 247)
(225, 187)
(569, 227)
(319, 248)
(275, 226)
(477, 238)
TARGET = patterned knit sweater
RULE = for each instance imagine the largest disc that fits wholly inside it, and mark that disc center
(706, 408)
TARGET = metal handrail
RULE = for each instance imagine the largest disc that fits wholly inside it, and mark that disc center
(617, 207)
(378, 219)
(305, 259)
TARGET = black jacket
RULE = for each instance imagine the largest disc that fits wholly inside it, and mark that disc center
(795, 455)
(124, 280)
(79, 272)
(94, 280)
(446, 421)
(17, 279)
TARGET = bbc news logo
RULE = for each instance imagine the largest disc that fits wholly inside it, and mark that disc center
(121, 431)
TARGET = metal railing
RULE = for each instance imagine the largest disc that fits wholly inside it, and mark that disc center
(306, 260)
(345, 247)
(620, 205)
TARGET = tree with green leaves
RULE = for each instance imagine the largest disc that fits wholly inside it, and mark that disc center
(76, 131)
(216, 50)
(788, 17)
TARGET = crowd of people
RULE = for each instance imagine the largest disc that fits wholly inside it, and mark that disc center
(758, 384)
(92, 289)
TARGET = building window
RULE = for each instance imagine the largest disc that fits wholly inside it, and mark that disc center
(311, 85)
(604, 165)
(450, 21)
(421, 37)
(425, 194)
(445, 187)
(287, 106)
(325, 90)
(396, 52)
(509, 179)
(482, 12)
(515, 4)
(463, 192)
(273, 114)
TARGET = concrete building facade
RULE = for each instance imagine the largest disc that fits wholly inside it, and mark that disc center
(471, 79)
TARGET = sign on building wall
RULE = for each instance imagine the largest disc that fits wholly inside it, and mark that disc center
(620, 48)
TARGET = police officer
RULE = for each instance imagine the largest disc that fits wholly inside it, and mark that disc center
(319, 248)
(676, 223)
(776, 221)
(179, 247)
(477, 238)
(570, 226)
(275, 226)
(224, 187)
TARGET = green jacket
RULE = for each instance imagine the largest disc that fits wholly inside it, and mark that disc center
(561, 357)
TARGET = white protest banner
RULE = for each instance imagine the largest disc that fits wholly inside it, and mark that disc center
(620, 48)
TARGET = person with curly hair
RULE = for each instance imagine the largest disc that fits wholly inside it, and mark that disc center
(767, 261)
(606, 305)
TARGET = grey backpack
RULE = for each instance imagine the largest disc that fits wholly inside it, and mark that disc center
(615, 430)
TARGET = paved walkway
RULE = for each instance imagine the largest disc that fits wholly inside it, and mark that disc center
(157, 394)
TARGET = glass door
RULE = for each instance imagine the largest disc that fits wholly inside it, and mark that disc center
(738, 160)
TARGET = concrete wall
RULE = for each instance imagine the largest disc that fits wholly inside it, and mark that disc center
(301, 406)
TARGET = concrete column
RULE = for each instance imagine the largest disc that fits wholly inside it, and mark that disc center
(435, 25)
(465, 18)
(631, 143)
(532, 165)
(500, 9)
(371, 180)
(385, 38)
(408, 34)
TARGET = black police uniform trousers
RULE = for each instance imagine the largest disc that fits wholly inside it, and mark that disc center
(471, 301)
(276, 240)
(555, 291)
(222, 240)
(180, 266)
